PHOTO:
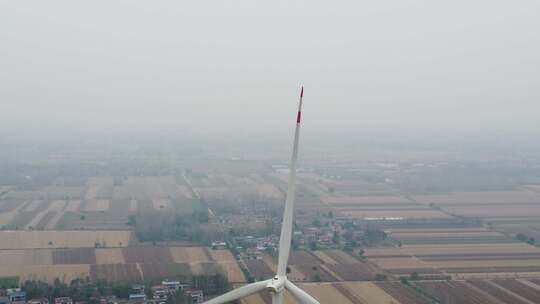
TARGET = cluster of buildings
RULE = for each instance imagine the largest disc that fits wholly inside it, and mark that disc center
(251, 247)
(13, 296)
(159, 295)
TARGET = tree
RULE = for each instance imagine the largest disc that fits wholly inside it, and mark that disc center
(336, 237)
(521, 237)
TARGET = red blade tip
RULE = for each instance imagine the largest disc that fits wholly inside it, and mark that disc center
(302, 92)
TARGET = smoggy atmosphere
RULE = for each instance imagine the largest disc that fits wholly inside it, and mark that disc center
(270, 152)
(402, 66)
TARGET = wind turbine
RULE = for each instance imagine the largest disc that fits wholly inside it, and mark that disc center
(276, 285)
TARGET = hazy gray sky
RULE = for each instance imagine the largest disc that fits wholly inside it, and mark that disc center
(224, 65)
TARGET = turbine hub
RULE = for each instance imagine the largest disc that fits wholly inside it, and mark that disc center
(276, 285)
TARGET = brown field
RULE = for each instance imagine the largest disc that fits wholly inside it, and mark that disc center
(147, 254)
(229, 264)
(179, 254)
(383, 252)
(345, 267)
(326, 265)
(165, 270)
(458, 258)
(45, 221)
(61, 192)
(97, 205)
(364, 200)
(161, 203)
(197, 254)
(499, 213)
(62, 239)
(26, 257)
(446, 234)
(492, 289)
(342, 293)
(113, 264)
(341, 257)
(325, 257)
(309, 267)
(74, 256)
(116, 272)
(45, 212)
(259, 269)
(9, 209)
(99, 187)
(404, 294)
(326, 293)
(11, 204)
(455, 250)
(208, 268)
(197, 268)
(401, 263)
(47, 273)
(401, 214)
(521, 289)
(119, 210)
(6, 218)
(456, 292)
(470, 249)
(109, 256)
(51, 224)
(73, 206)
(33, 205)
(253, 299)
(368, 293)
(480, 263)
(492, 197)
(21, 219)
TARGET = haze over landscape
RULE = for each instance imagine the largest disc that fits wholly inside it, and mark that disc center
(404, 66)
(145, 148)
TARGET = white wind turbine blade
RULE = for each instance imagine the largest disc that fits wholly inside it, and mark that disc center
(240, 292)
(286, 228)
(277, 298)
(300, 295)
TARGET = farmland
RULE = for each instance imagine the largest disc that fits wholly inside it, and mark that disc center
(346, 293)
(326, 265)
(466, 259)
(102, 203)
(422, 292)
(132, 263)
(63, 239)
(362, 234)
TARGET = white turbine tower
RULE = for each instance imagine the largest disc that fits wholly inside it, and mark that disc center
(276, 285)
